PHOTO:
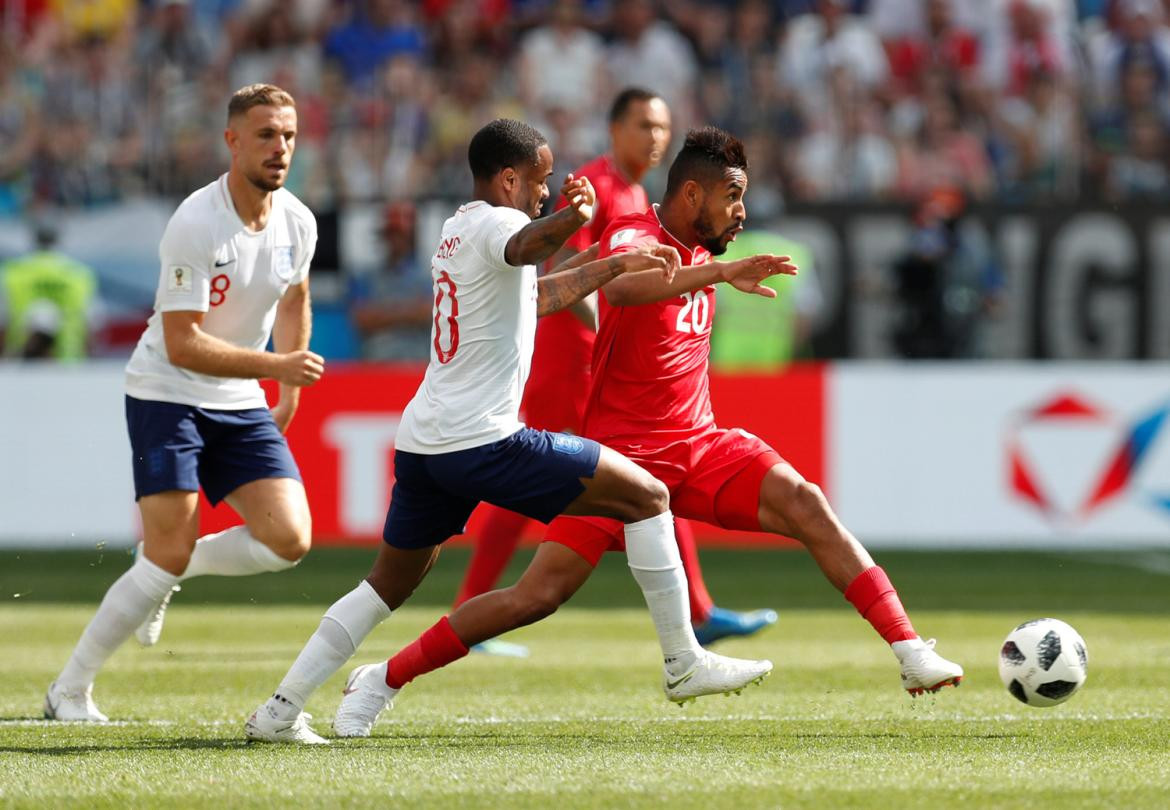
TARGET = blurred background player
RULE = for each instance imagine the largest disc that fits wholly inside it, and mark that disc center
(650, 398)
(47, 302)
(461, 440)
(639, 129)
(235, 261)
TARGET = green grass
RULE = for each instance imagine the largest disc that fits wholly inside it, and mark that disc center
(582, 723)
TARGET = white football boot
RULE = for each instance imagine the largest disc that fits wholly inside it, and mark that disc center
(363, 699)
(924, 670)
(277, 721)
(74, 705)
(714, 674)
(149, 631)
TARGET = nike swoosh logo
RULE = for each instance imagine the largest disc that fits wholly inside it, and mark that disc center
(675, 684)
(348, 691)
(224, 264)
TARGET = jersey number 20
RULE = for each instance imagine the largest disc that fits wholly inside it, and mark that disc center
(695, 313)
(445, 287)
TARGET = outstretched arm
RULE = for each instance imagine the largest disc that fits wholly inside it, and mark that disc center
(744, 274)
(565, 287)
(543, 237)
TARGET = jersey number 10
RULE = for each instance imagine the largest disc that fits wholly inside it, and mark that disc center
(445, 287)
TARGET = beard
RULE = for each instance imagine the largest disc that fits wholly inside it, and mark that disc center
(264, 184)
(714, 241)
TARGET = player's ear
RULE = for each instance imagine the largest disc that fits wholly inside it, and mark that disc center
(509, 178)
(231, 138)
(693, 193)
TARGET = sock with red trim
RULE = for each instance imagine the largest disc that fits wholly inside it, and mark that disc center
(872, 593)
(493, 549)
(436, 647)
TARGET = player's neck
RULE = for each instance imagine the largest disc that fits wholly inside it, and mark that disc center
(252, 205)
(631, 172)
(677, 224)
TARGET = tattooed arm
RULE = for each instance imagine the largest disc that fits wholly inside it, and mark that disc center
(565, 287)
(543, 237)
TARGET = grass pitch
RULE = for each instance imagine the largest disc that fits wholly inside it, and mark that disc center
(582, 723)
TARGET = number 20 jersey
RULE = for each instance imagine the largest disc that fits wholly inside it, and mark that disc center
(650, 383)
(482, 334)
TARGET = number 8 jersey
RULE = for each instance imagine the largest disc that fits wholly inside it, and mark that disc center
(650, 361)
(482, 333)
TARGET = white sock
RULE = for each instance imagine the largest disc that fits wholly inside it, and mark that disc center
(653, 557)
(125, 606)
(343, 628)
(233, 552)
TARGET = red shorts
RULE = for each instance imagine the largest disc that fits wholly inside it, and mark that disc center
(714, 477)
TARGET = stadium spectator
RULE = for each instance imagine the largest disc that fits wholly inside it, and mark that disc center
(375, 31)
(848, 156)
(946, 284)
(391, 309)
(1140, 172)
(653, 54)
(816, 45)
(942, 153)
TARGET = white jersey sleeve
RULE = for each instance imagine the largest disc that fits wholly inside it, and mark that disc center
(496, 229)
(186, 256)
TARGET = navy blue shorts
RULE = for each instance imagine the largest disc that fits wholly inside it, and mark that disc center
(534, 472)
(182, 447)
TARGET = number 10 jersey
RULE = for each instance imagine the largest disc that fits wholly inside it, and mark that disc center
(482, 333)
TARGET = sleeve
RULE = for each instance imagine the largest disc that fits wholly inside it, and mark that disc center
(499, 225)
(625, 239)
(185, 278)
(308, 249)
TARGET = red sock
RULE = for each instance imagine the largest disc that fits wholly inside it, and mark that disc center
(876, 600)
(435, 648)
(701, 602)
(493, 549)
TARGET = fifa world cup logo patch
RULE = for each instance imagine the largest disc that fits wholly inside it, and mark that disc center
(179, 280)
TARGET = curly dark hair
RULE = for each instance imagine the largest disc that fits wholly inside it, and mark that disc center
(501, 144)
(706, 156)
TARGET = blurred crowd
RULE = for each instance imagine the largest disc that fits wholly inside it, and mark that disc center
(1015, 100)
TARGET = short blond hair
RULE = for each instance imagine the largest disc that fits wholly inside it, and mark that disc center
(258, 95)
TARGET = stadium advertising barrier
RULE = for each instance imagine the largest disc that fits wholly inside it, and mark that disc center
(1050, 456)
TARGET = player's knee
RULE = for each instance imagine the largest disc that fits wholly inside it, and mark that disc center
(806, 506)
(539, 602)
(653, 498)
(291, 542)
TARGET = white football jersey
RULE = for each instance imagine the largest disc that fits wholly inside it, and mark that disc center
(481, 338)
(212, 263)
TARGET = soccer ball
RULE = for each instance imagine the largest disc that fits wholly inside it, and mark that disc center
(1043, 662)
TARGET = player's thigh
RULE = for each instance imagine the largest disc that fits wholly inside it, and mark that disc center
(724, 485)
(170, 527)
(276, 511)
(241, 447)
(621, 490)
(422, 512)
(792, 506)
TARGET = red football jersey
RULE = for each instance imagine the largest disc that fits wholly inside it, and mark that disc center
(650, 361)
(559, 380)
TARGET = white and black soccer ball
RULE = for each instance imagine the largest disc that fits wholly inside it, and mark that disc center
(1043, 662)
